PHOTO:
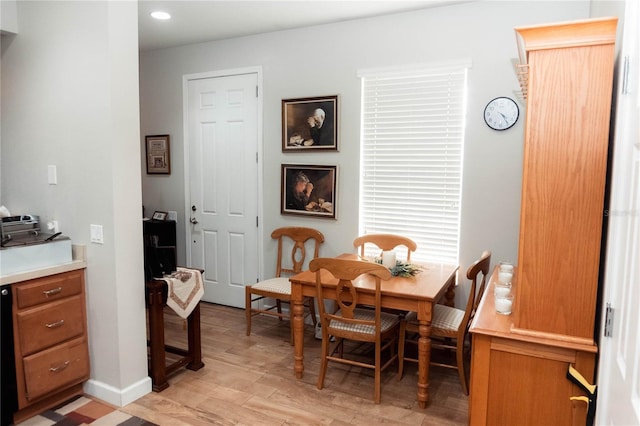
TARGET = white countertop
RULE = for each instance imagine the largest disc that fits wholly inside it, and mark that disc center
(79, 261)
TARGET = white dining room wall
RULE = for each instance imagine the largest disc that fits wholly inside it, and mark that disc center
(324, 60)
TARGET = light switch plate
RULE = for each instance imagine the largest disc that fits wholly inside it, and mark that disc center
(52, 175)
(96, 234)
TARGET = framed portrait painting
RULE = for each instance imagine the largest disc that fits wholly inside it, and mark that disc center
(158, 155)
(310, 124)
(308, 190)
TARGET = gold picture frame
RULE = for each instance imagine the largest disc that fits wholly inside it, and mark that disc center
(308, 190)
(310, 124)
(158, 151)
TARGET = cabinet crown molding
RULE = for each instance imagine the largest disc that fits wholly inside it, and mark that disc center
(588, 32)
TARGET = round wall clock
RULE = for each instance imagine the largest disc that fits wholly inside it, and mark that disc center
(501, 113)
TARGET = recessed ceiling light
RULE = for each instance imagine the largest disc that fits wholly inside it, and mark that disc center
(160, 15)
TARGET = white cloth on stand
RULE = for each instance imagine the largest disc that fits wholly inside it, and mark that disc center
(185, 289)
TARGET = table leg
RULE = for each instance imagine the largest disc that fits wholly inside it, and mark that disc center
(156, 337)
(424, 356)
(194, 339)
(298, 329)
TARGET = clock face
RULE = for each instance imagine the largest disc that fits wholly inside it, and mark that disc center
(501, 113)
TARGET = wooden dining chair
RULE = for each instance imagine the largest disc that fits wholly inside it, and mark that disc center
(449, 326)
(348, 322)
(279, 288)
(385, 242)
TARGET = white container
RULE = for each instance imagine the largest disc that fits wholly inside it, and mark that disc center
(506, 267)
(504, 277)
(504, 304)
(389, 259)
(501, 290)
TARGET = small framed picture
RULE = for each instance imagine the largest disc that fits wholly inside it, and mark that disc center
(157, 215)
(310, 124)
(308, 191)
(158, 155)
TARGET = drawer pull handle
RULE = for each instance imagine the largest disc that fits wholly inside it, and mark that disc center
(53, 291)
(55, 324)
(59, 368)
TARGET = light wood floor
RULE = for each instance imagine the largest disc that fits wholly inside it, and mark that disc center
(250, 381)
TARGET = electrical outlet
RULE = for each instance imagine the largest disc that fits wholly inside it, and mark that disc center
(96, 234)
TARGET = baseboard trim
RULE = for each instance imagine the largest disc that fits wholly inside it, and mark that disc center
(115, 396)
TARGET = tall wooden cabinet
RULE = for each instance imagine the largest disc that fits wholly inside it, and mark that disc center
(519, 362)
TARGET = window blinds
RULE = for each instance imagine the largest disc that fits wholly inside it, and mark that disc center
(411, 156)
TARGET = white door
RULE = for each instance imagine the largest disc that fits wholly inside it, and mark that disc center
(619, 366)
(222, 137)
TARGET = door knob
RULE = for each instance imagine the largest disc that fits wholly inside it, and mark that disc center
(194, 220)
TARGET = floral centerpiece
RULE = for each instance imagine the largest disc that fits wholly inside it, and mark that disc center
(402, 269)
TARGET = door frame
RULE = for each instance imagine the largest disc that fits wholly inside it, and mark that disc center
(187, 166)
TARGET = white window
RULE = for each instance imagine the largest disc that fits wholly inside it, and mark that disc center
(413, 121)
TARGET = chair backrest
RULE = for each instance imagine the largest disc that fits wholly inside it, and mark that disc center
(346, 294)
(477, 274)
(385, 242)
(299, 236)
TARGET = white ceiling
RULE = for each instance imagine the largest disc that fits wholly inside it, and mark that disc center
(195, 21)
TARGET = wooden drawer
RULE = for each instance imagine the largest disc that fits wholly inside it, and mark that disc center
(48, 289)
(50, 324)
(55, 368)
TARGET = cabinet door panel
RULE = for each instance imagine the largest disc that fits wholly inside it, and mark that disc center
(565, 163)
(529, 390)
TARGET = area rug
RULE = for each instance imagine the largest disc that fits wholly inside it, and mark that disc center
(85, 411)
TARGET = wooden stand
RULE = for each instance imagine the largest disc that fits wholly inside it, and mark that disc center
(191, 358)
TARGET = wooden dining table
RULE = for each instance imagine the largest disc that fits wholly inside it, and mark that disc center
(419, 293)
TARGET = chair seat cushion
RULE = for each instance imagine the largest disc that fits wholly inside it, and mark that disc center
(447, 318)
(387, 321)
(280, 285)
(444, 317)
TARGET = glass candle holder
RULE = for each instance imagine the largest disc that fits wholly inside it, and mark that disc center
(505, 272)
(506, 267)
(501, 289)
(505, 277)
(504, 304)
